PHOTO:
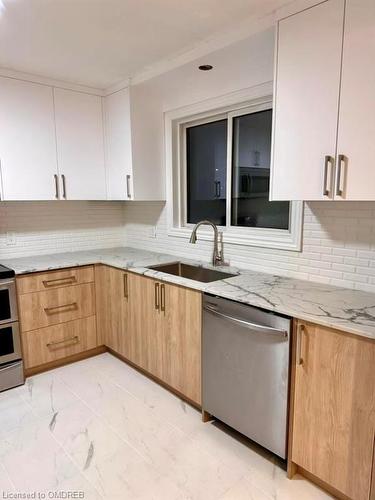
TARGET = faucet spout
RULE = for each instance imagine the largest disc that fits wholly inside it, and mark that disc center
(217, 257)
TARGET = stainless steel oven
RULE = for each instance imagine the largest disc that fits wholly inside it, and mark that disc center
(11, 365)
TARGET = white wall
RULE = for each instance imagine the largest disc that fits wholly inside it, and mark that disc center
(49, 227)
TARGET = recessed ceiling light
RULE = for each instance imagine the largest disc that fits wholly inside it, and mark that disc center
(205, 67)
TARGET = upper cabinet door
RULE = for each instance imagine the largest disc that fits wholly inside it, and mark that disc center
(356, 144)
(118, 146)
(80, 145)
(306, 103)
(27, 141)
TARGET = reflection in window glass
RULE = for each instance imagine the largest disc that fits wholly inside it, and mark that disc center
(251, 162)
(206, 172)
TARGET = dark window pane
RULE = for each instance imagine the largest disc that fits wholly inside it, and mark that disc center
(251, 174)
(4, 305)
(6, 341)
(206, 172)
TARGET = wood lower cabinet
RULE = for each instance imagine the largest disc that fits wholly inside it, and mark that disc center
(333, 426)
(154, 325)
(58, 341)
(182, 340)
(57, 315)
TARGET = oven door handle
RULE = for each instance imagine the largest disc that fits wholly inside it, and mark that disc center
(11, 366)
(247, 324)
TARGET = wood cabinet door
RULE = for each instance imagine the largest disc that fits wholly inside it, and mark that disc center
(145, 329)
(181, 309)
(356, 130)
(309, 48)
(118, 146)
(80, 145)
(334, 408)
(111, 302)
(27, 141)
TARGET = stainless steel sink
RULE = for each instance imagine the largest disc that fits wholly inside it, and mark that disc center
(192, 272)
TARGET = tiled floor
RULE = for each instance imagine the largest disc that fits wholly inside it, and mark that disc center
(100, 427)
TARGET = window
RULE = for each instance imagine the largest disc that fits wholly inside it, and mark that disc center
(219, 164)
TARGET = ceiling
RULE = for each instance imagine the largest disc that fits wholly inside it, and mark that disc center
(101, 42)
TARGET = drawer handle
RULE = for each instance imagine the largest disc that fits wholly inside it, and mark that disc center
(60, 281)
(56, 308)
(74, 339)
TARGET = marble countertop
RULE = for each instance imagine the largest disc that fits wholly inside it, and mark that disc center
(348, 310)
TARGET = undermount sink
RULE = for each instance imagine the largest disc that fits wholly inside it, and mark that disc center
(196, 273)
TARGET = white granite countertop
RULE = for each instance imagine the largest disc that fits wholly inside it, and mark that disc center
(348, 310)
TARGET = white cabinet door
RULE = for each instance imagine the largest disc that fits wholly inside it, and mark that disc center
(27, 141)
(306, 102)
(118, 146)
(356, 137)
(80, 145)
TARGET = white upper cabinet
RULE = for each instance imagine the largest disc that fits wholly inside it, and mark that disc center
(306, 103)
(80, 145)
(356, 134)
(27, 141)
(118, 146)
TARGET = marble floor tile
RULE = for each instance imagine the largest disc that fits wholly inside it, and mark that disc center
(101, 427)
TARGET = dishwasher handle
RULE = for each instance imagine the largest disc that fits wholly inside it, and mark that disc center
(247, 324)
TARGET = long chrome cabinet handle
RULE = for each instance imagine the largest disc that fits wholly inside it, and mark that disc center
(328, 160)
(64, 186)
(68, 339)
(247, 324)
(57, 194)
(162, 298)
(126, 291)
(157, 301)
(128, 186)
(56, 308)
(69, 280)
(341, 160)
(300, 332)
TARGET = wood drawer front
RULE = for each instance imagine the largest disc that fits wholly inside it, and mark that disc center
(58, 341)
(39, 282)
(41, 309)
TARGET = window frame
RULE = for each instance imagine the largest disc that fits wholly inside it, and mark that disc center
(176, 122)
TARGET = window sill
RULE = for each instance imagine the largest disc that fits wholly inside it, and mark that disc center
(254, 237)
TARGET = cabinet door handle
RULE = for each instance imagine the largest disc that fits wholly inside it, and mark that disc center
(69, 280)
(126, 291)
(340, 162)
(64, 186)
(300, 331)
(128, 186)
(56, 186)
(328, 161)
(162, 300)
(157, 301)
(49, 310)
(74, 339)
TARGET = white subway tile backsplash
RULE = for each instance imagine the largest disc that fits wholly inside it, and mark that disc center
(338, 243)
(62, 226)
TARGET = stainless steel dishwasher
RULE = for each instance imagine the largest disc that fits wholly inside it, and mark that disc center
(245, 370)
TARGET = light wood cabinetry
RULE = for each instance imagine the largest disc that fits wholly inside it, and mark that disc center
(37, 282)
(333, 421)
(58, 341)
(324, 122)
(57, 314)
(156, 326)
(80, 146)
(27, 141)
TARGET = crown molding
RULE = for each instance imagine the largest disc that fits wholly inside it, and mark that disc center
(41, 80)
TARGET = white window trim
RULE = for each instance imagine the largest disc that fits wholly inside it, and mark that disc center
(175, 122)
